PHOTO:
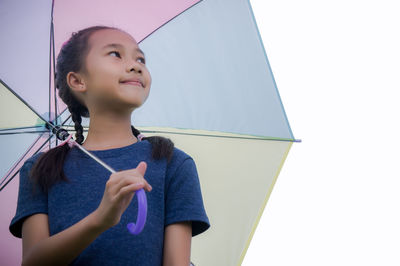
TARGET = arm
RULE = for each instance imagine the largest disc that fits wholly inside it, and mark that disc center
(177, 242)
(39, 248)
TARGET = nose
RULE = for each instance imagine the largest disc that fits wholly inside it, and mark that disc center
(135, 67)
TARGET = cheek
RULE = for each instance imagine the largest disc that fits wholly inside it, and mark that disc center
(146, 96)
(147, 92)
(100, 67)
(149, 78)
(104, 77)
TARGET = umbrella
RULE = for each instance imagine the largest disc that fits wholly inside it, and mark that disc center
(213, 94)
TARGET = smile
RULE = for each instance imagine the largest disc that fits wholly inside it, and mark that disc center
(136, 83)
(133, 82)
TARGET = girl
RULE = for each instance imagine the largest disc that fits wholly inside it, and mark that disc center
(70, 209)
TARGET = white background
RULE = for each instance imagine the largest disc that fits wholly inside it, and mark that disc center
(337, 198)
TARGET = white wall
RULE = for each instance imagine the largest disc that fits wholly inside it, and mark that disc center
(337, 68)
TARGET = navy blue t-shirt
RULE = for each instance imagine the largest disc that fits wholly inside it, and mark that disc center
(176, 197)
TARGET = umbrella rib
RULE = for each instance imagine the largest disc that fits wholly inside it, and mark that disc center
(52, 70)
(51, 60)
(14, 128)
(169, 21)
(50, 76)
(220, 136)
(13, 131)
(25, 132)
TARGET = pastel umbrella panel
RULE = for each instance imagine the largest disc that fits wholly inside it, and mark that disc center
(213, 94)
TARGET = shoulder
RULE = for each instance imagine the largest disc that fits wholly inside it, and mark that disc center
(25, 170)
(181, 164)
(180, 154)
(178, 158)
(34, 157)
(32, 160)
(184, 200)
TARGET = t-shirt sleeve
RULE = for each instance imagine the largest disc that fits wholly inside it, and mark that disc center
(31, 200)
(184, 201)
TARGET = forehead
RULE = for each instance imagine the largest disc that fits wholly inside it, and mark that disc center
(101, 38)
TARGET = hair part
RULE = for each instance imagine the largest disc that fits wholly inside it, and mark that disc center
(48, 169)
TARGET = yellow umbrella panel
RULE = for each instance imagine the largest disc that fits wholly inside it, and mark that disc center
(237, 174)
(15, 113)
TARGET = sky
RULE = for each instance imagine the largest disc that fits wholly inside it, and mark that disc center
(336, 200)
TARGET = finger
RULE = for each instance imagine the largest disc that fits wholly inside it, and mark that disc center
(126, 193)
(111, 185)
(117, 181)
(127, 190)
(141, 168)
(141, 183)
(127, 177)
(138, 184)
(148, 187)
(127, 180)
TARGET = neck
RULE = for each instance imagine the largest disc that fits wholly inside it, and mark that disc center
(108, 131)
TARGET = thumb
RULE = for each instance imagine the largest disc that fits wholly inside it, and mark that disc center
(141, 168)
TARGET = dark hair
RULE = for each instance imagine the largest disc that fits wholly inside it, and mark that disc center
(48, 169)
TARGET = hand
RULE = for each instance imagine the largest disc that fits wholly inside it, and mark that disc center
(118, 194)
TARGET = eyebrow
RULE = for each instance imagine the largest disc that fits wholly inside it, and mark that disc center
(119, 46)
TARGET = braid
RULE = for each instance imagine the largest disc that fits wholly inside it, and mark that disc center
(78, 127)
(161, 147)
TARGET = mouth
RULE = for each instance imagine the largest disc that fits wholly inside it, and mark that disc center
(134, 82)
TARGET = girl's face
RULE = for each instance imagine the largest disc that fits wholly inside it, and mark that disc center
(115, 75)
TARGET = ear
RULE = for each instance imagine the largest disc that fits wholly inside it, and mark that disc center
(75, 82)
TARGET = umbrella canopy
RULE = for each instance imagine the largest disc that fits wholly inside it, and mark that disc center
(213, 94)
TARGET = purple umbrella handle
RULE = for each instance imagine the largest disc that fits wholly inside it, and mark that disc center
(137, 228)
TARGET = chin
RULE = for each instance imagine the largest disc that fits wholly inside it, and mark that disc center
(134, 100)
(134, 104)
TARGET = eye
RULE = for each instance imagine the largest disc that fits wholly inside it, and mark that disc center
(142, 60)
(115, 54)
